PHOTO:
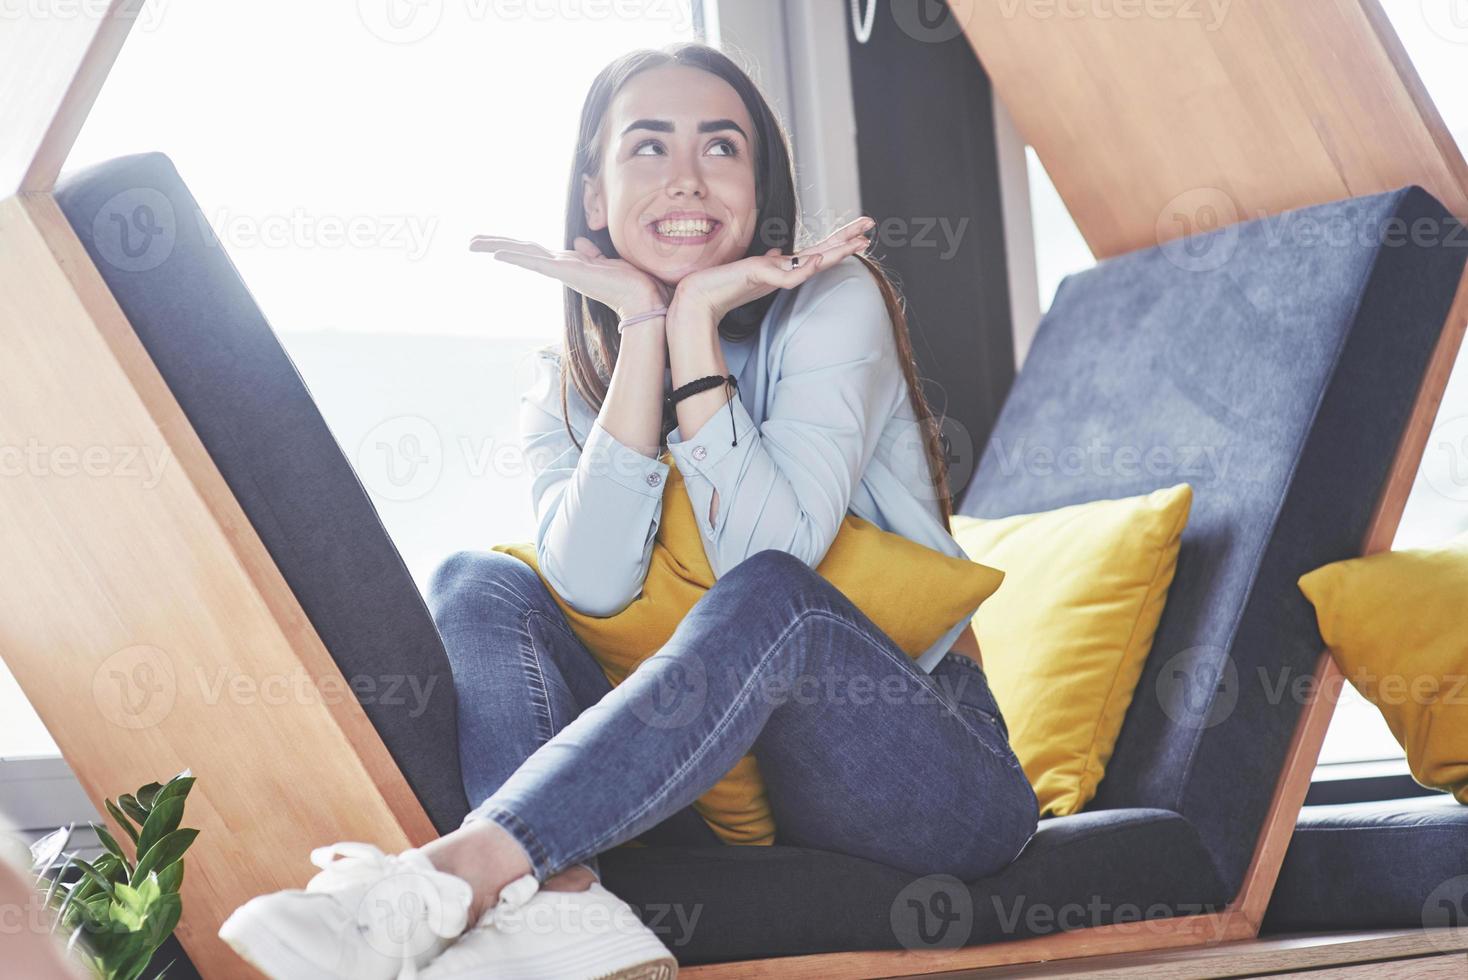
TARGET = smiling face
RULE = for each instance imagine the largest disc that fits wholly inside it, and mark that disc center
(676, 190)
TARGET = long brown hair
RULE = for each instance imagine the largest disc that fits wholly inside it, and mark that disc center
(591, 339)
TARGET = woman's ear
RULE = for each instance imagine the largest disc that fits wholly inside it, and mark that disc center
(591, 202)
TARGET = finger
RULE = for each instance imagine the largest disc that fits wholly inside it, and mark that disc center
(497, 243)
(586, 247)
(845, 234)
(781, 274)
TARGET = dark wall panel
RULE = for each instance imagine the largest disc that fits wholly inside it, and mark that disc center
(929, 175)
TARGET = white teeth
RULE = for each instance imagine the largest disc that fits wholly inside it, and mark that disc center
(684, 227)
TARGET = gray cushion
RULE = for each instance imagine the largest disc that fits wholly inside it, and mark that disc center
(1379, 865)
(1272, 365)
(751, 902)
(256, 418)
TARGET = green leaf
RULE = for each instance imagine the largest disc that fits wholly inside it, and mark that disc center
(127, 910)
(91, 872)
(163, 820)
(177, 788)
(170, 879)
(122, 821)
(130, 898)
(165, 852)
(110, 842)
(147, 794)
(131, 807)
(162, 919)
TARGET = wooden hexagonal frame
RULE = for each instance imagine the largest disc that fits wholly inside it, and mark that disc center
(99, 579)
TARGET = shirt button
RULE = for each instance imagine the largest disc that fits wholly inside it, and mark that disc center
(653, 479)
(699, 452)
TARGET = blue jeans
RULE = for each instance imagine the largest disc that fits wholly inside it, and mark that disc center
(860, 751)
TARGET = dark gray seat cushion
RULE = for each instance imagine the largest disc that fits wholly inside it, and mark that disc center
(1295, 363)
(1385, 864)
(255, 416)
(750, 902)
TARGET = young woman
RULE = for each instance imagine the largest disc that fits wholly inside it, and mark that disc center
(680, 226)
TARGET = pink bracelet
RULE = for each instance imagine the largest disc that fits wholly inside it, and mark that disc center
(626, 322)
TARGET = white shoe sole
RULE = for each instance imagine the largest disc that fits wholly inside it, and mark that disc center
(639, 960)
(244, 931)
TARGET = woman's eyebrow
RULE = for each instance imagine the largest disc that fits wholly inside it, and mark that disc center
(707, 126)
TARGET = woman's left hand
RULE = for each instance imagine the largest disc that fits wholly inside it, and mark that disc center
(727, 287)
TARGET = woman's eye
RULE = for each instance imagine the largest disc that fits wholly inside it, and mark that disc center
(726, 147)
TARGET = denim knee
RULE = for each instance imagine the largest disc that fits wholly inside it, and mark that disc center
(780, 574)
(482, 584)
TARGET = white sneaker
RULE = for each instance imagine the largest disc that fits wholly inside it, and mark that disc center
(535, 934)
(366, 916)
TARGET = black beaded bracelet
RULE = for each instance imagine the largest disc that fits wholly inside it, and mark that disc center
(704, 384)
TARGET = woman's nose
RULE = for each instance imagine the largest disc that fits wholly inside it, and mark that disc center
(688, 181)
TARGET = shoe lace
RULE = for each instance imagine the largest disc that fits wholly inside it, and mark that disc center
(394, 879)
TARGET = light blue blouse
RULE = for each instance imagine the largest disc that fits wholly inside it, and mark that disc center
(824, 426)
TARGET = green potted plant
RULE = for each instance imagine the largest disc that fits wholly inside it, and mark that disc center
(118, 910)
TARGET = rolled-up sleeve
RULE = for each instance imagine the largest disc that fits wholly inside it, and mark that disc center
(788, 482)
(597, 508)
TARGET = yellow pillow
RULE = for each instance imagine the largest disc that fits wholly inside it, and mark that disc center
(1395, 624)
(1064, 640)
(915, 594)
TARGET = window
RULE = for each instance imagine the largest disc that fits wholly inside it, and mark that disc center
(344, 154)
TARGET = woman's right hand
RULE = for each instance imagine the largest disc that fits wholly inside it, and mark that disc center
(616, 283)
